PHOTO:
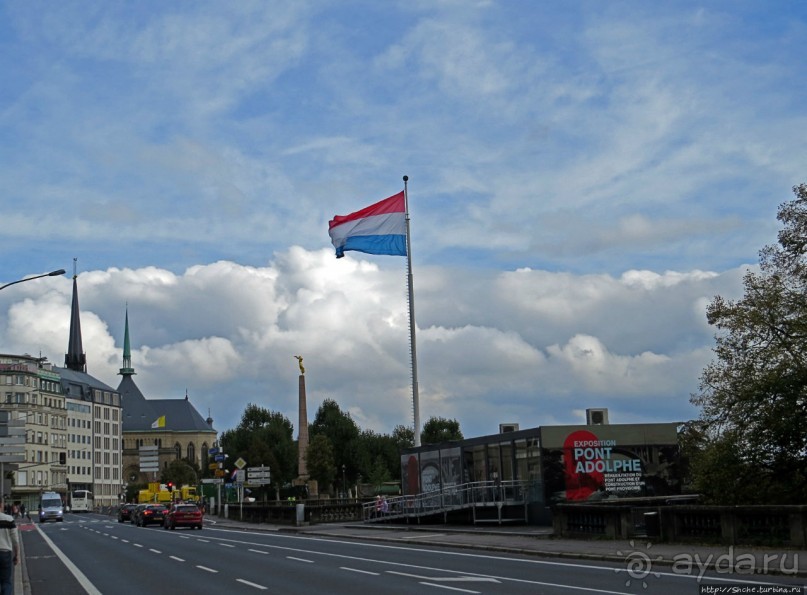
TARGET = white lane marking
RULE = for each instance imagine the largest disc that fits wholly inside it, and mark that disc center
(359, 571)
(449, 588)
(204, 540)
(151, 549)
(257, 551)
(299, 559)
(205, 568)
(448, 579)
(608, 569)
(256, 585)
(226, 545)
(80, 576)
(177, 559)
(421, 536)
(137, 545)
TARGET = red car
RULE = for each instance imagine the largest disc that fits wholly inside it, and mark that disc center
(183, 515)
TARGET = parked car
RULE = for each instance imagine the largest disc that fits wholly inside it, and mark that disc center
(183, 515)
(125, 512)
(149, 514)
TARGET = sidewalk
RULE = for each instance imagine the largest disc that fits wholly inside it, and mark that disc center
(539, 541)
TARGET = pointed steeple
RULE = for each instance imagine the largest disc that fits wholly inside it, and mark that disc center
(75, 359)
(127, 369)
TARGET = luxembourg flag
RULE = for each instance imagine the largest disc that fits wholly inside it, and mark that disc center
(377, 229)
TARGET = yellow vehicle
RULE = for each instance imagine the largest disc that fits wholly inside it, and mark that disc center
(166, 493)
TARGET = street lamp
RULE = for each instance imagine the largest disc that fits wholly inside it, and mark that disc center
(51, 274)
(344, 483)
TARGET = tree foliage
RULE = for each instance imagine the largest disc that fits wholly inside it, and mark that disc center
(342, 432)
(320, 462)
(264, 438)
(440, 429)
(753, 395)
(180, 473)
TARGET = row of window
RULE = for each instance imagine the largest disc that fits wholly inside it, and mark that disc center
(33, 399)
(33, 382)
(57, 440)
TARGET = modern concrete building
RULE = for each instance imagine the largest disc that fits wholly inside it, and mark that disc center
(547, 465)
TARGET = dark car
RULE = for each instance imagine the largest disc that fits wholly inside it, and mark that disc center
(125, 512)
(149, 514)
(183, 515)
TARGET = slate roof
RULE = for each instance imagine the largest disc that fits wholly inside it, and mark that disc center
(139, 413)
(76, 384)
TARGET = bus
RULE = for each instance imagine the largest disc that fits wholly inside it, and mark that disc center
(81, 501)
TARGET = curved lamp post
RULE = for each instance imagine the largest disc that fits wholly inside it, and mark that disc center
(51, 274)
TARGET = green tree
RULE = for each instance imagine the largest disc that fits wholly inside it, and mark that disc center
(404, 436)
(342, 432)
(180, 473)
(379, 458)
(320, 462)
(264, 437)
(440, 429)
(753, 395)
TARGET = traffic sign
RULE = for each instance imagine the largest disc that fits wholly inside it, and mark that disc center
(219, 473)
(213, 466)
(240, 463)
(259, 475)
(213, 451)
(221, 457)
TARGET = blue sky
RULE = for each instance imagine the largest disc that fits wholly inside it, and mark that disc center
(584, 178)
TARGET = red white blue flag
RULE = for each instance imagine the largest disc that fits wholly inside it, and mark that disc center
(377, 229)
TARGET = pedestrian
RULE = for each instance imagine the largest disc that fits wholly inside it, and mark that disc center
(378, 506)
(9, 552)
(384, 506)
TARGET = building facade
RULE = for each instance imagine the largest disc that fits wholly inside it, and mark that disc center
(174, 426)
(592, 462)
(31, 394)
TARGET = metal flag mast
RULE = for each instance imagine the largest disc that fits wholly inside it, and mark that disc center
(415, 401)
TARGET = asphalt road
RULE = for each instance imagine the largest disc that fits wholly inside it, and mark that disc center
(94, 554)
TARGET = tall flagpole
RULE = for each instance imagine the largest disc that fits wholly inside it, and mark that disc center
(415, 400)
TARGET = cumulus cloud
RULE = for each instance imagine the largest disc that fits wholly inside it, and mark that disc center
(528, 346)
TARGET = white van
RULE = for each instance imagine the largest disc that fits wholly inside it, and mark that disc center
(50, 507)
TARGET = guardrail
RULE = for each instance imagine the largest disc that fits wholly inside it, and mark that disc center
(474, 494)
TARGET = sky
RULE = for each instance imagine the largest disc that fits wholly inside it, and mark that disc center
(584, 178)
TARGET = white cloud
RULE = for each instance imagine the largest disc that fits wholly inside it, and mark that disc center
(490, 346)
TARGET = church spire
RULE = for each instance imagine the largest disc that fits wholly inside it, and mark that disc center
(127, 369)
(75, 359)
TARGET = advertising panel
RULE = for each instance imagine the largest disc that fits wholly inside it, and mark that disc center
(589, 463)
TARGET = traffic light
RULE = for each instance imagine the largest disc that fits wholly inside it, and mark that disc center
(170, 486)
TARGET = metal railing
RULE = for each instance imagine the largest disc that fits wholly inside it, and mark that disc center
(477, 493)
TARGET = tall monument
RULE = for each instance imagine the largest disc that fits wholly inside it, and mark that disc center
(302, 414)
